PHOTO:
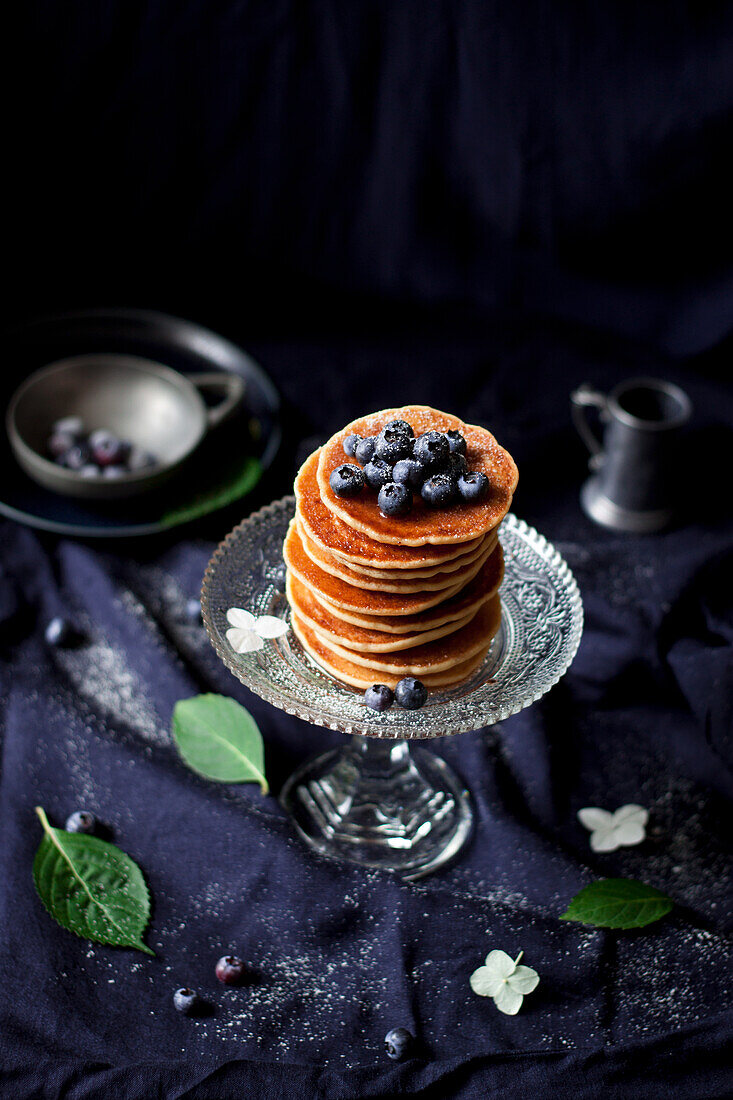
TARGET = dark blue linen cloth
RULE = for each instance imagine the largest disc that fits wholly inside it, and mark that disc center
(340, 955)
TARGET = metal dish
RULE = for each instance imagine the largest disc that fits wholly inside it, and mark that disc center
(228, 463)
(152, 406)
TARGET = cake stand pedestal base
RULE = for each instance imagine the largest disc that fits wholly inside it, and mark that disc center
(380, 803)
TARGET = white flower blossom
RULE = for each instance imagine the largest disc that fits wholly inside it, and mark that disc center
(502, 979)
(247, 632)
(609, 831)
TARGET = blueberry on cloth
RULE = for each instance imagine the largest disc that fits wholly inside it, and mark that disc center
(187, 1002)
(431, 450)
(392, 445)
(230, 970)
(347, 480)
(193, 610)
(408, 472)
(456, 442)
(365, 449)
(379, 697)
(58, 632)
(439, 490)
(473, 486)
(350, 444)
(81, 821)
(400, 426)
(397, 1042)
(411, 693)
(394, 499)
(377, 473)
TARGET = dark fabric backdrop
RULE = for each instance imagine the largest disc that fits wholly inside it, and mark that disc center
(472, 205)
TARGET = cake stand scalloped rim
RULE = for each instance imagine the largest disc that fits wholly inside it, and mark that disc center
(371, 728)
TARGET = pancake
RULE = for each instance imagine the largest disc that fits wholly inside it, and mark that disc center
(476, 549)
(325, 529)
(457, 523)
(484, 585)
(346, 596)
(432, 657)
(338, 632)
(357, 676)
(434, 583)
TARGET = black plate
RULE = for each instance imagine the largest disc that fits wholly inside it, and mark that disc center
(225, 468)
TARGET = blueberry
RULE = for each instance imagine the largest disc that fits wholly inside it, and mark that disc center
(230, 970)
(193, 610)
(58, 632)
(114, 471)
(400, 426)
(431, 450)
(81, 821)
(456, 442)
(394, 499)
(347, 480)
(365, 449)
(90, 470)
(411, 693)
(187, 1002)
(59, 443)
(76, 457)
(379, 697)
(69, 425)
(439, 490)
(351, 442)
(408, 472)
(107, 449)
(397, 1042)
(392, 445)
(455, 467)
(377, 473)
(139, 459)
(473, 486)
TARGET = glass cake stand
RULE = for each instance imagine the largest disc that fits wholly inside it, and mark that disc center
(378, 802)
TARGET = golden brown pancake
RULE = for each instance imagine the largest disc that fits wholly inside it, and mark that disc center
(363, 640)
(458, 523)
(431, 657)
(481, 588)
(434, 583)
(325, 529)
(357, 676)
(348, 597)
(477, 548)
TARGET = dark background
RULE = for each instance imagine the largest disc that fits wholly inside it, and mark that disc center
(471, 205)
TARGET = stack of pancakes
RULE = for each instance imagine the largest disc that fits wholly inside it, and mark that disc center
(376, 598)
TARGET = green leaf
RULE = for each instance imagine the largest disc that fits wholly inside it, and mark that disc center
(91, 887)
(244, 478)
(618, 903)
(220, 740)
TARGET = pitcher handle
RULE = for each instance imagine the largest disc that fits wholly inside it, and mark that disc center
(230, 385)
(581, 400)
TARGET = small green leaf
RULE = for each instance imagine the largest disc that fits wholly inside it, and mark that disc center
(618, 903)
(91, 887)
(220, 740)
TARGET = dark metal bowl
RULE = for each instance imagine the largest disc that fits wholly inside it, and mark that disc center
(152, 406)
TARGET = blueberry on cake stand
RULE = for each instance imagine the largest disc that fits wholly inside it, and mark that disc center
(379, 802)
